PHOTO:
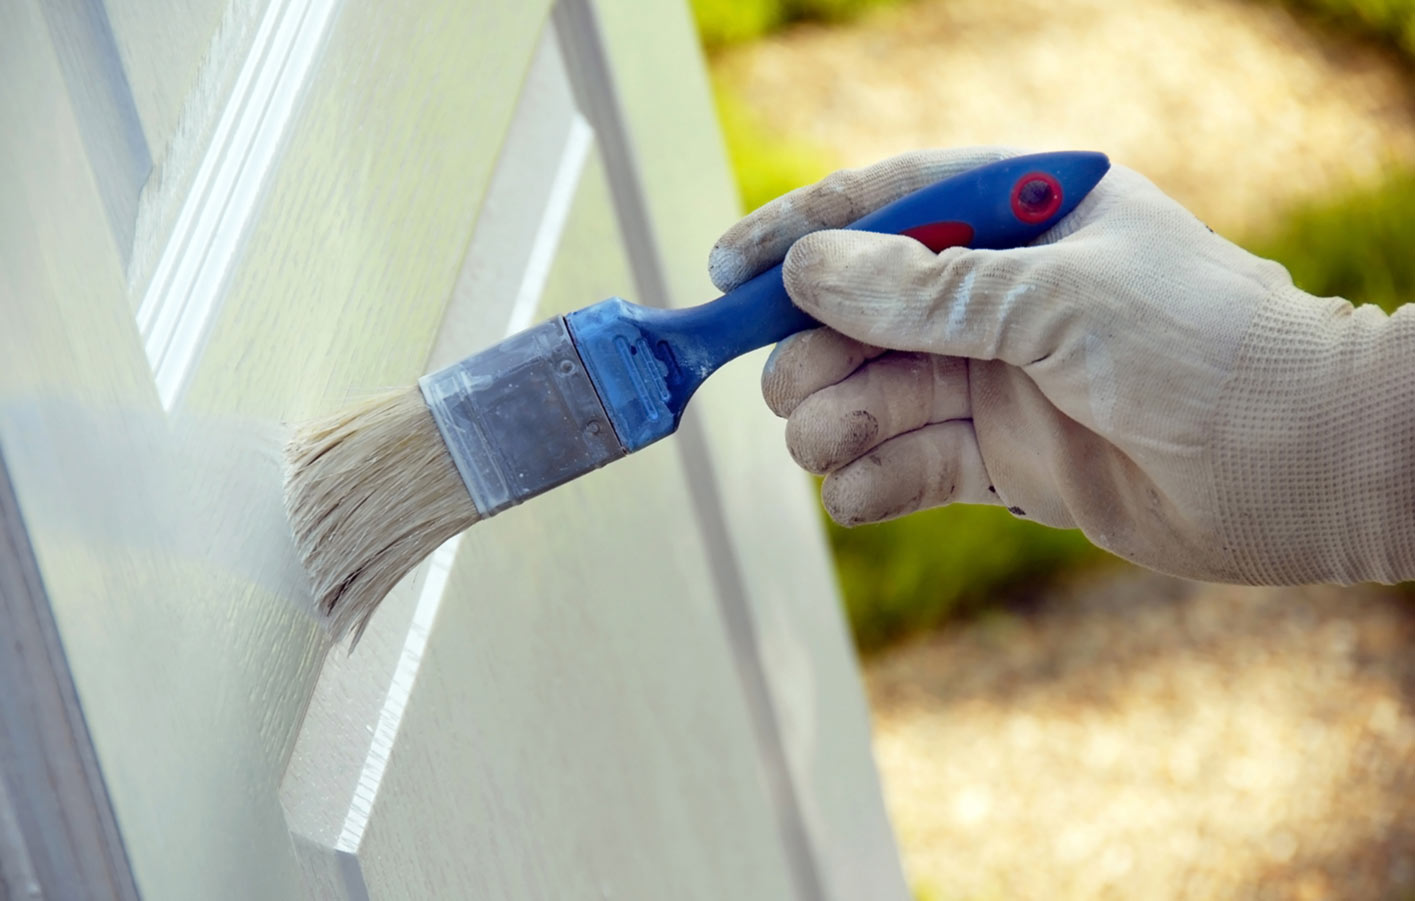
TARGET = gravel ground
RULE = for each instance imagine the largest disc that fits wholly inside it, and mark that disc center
(1135, 736)
(1234, 108)
(1147, 737)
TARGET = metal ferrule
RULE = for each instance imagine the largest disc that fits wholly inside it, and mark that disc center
(521, 417)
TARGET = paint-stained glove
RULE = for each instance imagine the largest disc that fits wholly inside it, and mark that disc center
(1131, 374)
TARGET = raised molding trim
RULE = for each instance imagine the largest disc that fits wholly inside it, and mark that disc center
(104, 108)
(582, 42)
(522, 215)
(184, 295)
(63, 839)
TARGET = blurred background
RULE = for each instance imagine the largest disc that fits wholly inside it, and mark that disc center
(1050, 722)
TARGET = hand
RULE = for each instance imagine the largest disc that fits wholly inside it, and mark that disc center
(1131, 373)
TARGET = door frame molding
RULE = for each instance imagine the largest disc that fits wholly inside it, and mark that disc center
(187, 287)
(582, 43)
(59, 837)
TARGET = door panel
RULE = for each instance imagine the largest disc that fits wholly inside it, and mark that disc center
(517, 688)
(638, 681)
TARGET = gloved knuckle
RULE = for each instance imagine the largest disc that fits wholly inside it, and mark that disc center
(842, 498)
(858, 431)
(778, 394)
(803, 443)
(1271, 274)
(821, 435)
(942, 484)
(814, 269)
(835, 199)
(948, 370)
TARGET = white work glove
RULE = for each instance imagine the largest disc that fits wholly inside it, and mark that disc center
(1131, 373)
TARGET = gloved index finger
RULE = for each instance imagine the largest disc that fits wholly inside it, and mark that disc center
(761, 240)
(808, 361)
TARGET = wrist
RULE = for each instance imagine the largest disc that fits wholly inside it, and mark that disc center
(1313, 442)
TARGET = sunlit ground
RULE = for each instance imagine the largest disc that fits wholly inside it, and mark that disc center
(1134, 736)
(1145, 737)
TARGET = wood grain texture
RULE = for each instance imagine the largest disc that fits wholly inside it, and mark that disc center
(179, 146)
(522, 216)
(162, 45)
(195, 663)
(348, 270)
(186, 290)
(61, 274)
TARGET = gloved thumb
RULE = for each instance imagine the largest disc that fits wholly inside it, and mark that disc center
(892, 291)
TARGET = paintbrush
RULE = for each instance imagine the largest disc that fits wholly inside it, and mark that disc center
(374, 489)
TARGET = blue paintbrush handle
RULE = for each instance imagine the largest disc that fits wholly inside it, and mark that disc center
(646, 362)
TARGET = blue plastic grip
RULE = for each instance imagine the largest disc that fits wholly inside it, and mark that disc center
(646, 362)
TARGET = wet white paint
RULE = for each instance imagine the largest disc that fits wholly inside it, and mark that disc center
(130, 478)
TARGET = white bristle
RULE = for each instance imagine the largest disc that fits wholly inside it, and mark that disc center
(370, 493)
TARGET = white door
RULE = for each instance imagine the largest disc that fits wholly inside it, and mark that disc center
(221, 215)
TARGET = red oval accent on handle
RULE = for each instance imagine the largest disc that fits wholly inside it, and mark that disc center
(939, 235)
(1035, 197)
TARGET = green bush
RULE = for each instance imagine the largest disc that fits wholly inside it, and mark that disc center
(911, 574)
(766, 163)
(1390, 20)
(722, 23)
(1359, 245)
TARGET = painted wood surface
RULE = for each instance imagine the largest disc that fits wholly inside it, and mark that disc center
(636, 685)
(768, 511)
(58, 835)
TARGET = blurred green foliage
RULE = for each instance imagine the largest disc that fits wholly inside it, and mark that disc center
(1391, 20)
(925, 892)
(725, 22)
(911, 574)
(767, 164)
(1359, 245)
